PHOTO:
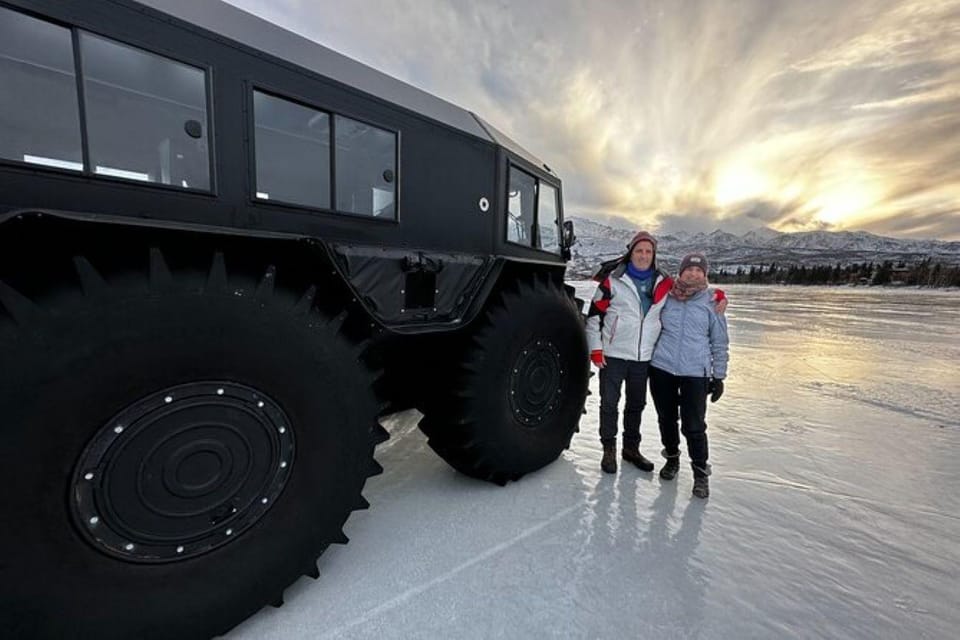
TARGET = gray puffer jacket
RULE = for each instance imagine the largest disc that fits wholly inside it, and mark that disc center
(693, 338)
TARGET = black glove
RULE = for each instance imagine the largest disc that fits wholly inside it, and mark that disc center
(715, 387)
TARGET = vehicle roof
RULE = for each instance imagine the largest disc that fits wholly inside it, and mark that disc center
(236, 24)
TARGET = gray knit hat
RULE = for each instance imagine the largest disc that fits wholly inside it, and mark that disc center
(693, 260)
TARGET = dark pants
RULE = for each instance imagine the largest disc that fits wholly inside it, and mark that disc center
(612, 378)
(686, 397)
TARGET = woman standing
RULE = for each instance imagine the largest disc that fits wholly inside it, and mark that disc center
(689, 363)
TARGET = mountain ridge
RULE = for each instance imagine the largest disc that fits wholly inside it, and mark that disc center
(598, 242)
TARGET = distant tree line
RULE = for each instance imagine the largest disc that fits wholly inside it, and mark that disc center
(923, 274)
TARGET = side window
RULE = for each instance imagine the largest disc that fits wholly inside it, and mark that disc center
(146, 115)
(520, 204)
(547, 222)
(39, 113)
(293, 152)
(366, 158)
(532, 205)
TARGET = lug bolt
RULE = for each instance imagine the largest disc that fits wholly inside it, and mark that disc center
(180, 549)
(264, 500)
(118, 428)
(283, 465)
(260, 404)
(229, 532)
(88, 476)
(168, 399)
(282, 429)
(219, 393)
(128, 546)
(94, 520)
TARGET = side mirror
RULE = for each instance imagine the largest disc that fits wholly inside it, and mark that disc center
(568, 239)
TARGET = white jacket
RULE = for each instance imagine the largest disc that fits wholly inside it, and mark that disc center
(616, 323)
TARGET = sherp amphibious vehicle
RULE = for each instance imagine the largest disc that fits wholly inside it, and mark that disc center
(225, 251)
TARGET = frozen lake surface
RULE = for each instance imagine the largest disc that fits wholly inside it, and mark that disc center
(834, 508)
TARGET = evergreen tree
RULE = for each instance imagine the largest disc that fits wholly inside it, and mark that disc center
(935, 276)
(883, 274)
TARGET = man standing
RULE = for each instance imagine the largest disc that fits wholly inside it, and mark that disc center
(623, 325)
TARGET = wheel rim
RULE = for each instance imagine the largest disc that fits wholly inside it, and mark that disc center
(536, 383)
(182, 471)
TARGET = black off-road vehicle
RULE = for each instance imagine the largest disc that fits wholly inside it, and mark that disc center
(225, 251)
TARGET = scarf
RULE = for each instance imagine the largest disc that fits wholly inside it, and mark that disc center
(683, 292)
(643, 280)
(639, 274)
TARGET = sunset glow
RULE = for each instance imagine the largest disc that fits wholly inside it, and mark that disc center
(739, 184)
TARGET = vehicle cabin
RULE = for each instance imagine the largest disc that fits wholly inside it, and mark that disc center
(200, 117)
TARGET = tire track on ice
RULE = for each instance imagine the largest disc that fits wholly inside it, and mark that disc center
(398, 600)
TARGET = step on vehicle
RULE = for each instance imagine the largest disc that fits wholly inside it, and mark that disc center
(225, 252)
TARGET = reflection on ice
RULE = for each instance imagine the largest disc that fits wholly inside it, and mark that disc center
(833, 510)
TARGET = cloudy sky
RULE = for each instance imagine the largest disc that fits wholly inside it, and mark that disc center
(694, 114)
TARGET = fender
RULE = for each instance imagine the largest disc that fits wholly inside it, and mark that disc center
(401, 291)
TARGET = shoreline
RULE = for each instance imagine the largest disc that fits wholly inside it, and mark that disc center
(865, 287)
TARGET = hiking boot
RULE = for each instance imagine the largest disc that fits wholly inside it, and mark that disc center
(701, 487)
(672, 467)
(631, 453)
(701, 484)
(609, 461)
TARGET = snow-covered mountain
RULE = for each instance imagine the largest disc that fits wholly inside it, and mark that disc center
(598, 242)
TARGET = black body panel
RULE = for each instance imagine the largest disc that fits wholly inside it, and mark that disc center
(444, 171)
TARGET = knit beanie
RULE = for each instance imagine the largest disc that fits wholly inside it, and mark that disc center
(693, 260)
(642, 235)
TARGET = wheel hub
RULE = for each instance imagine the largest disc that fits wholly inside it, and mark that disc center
(182, 471)
(536, 383)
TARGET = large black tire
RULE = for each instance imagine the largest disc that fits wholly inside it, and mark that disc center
(73, 358)
(510, 403)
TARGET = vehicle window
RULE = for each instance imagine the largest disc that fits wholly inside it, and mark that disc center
(39, 112)
(547, 222)
(146, 115)
(365, 169)
(520, 203)
(293, 152)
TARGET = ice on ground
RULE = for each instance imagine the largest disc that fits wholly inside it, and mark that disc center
(834, 513)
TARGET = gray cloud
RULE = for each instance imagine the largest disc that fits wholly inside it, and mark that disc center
(745, 218)
(703, 113)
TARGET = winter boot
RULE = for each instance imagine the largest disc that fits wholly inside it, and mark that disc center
(609, 461)
(701, 484)
(670, 469)
(631, 453)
